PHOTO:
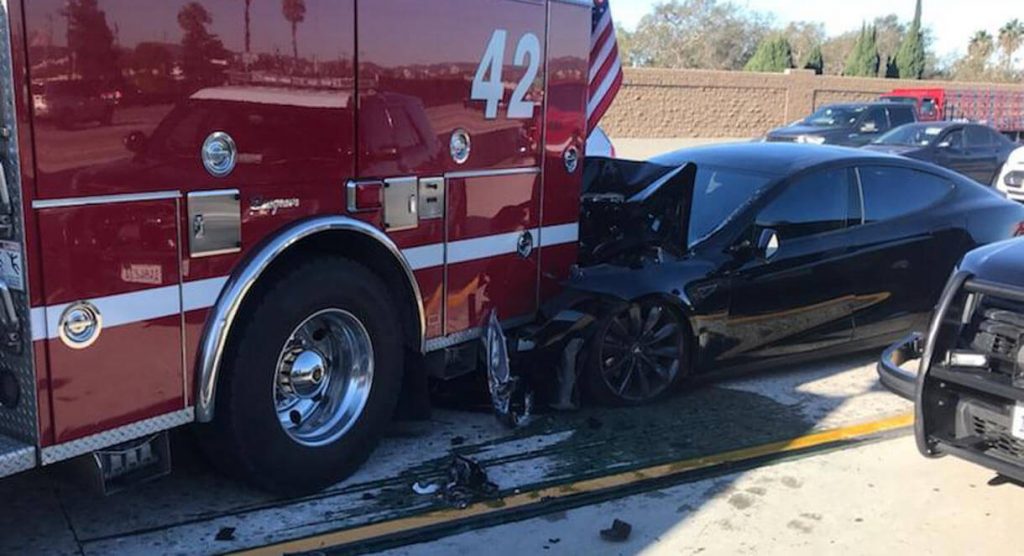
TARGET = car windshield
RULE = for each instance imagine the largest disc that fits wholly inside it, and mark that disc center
(719, 195)
(833, 116)
(911, 135)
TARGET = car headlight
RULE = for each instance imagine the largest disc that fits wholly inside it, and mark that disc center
(1014, 179)
(811, 139)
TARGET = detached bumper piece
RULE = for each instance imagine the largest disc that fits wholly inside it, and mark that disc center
(970, 390)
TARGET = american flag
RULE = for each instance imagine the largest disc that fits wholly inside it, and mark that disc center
(605, 64)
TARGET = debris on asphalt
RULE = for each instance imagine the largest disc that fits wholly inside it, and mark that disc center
(594, 423)
(368, 496)
(511, 398)
(467, 483)
(225, 534)
(618, 532)
(427, 489)
(458, 440)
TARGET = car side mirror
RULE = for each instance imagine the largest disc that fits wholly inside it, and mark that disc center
(135, 141)
(768, 244)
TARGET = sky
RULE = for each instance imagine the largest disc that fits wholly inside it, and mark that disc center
(952, 21)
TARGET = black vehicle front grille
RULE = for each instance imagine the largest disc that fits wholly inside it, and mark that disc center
(997, 438)
(999, 333)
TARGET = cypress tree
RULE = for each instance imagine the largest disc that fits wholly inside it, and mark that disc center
(864, 60)
(772, 55)
(815, 60)
(910, 59)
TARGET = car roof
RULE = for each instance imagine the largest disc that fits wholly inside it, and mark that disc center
(863, 104)
(776, 159)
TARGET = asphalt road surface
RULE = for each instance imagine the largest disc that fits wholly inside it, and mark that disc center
(699, 472)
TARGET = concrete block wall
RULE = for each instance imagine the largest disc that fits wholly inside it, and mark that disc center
(663, 104)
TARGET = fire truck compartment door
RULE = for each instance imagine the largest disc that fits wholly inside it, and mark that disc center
(113, 313)
(459, 96)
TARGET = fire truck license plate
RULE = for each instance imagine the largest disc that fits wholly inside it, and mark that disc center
(1017, 425)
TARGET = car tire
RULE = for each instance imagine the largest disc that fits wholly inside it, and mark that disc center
(637, 355)
(279, 424)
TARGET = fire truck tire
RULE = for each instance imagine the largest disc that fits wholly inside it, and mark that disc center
(637, 355)
(310, 380)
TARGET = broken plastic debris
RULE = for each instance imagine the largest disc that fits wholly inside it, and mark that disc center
(568, 394)
(467, 482)
(512, 402)
(427, 489)
(618, 532)
(225, 534)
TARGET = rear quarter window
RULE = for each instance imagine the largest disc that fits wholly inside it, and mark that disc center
(890, 192)
(901, 115)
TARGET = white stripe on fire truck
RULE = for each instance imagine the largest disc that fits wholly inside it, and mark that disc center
(430, 256)
(132, 307)
(145, 305)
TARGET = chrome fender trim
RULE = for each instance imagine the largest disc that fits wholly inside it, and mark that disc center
(223, 313)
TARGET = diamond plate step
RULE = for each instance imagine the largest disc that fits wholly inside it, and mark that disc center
(15, 456)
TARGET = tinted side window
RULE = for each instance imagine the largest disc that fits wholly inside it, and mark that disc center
(894, 192)
(994, 137)
(977, 136)
(955, 139)
(874, 117)
(901, 115)
(814, 204)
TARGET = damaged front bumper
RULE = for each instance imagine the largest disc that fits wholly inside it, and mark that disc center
(898, 380)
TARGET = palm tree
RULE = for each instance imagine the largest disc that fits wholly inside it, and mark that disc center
(1011, 38)
(248, 34)
(981, 45)
(295, 12)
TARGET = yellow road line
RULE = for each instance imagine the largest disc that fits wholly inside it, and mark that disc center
(439, 517)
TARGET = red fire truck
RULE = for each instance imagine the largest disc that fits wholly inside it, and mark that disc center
(1002, 109)
(282, 215)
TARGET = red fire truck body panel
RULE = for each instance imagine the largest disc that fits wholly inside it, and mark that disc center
(347, 94)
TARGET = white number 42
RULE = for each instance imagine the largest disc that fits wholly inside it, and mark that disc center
(488, 85)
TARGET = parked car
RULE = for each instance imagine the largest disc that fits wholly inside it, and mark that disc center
(72, 102)
(976, 151)
(1011, 178)
(852, 125)
(747, 254)
(968, 389)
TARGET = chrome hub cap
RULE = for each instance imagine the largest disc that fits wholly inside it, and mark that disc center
(324, 375)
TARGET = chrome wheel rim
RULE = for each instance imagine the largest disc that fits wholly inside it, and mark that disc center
(323, 378)
(641, 352)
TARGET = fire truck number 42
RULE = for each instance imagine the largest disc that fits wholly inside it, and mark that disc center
(488, 85)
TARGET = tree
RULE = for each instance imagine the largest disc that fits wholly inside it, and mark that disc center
(892, 70)
(803, 37)
(910, 60)
(295, 12)
(203, 54)
(864, 60)
(975, 65)
(1011, 38)
(815, 60)
(248, 26)
(707, 34)
(90, 41)
(773, 55)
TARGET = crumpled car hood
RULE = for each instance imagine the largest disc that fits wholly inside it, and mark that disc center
(1000, 262)
(628, 206)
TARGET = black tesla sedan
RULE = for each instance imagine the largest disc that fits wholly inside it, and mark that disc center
(976, 151)
(742, 255)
